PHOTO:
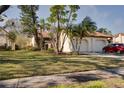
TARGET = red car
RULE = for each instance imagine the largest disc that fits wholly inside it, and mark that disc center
(114, 48)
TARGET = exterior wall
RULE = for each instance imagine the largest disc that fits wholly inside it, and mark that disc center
(67, 45)
(88, 44)
(98, 44)
(119, 39)
(122, 39)
(3, 39)
(33, 41)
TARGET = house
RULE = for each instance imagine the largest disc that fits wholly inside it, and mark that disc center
(46, 38)
(118, 38)
(93, 43)
(21, 40)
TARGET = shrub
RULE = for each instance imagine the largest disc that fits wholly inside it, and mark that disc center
(17, 47)
(23, 42)
(50, 50)
(35, 49)
(8, 48)
(2, 47)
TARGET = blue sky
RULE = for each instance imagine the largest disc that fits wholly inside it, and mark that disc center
(110, 17)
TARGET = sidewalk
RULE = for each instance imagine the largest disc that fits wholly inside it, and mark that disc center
(52, 80)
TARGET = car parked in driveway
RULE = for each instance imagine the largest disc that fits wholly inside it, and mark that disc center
(114, 48)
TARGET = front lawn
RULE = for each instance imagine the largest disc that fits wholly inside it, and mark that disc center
(16, 64)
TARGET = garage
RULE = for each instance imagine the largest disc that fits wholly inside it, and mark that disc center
(84, 46)
(99, 44)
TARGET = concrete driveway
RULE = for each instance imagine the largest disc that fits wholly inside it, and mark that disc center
(120, 57)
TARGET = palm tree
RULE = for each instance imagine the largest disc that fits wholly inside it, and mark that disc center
(104, 31)
(78, 32)
(86, 27)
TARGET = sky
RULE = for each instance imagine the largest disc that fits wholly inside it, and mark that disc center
(106, 16)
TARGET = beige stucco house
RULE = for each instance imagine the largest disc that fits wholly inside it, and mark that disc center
(94, 43)
(118, 38)
(46, 37)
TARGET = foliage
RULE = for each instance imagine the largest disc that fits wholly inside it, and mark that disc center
(12, 36)
(50, 50)
(29, 18)
(23, 41)
(44, 25)
(29, 21)
(78, 32)
(60, 18)
(104, 31)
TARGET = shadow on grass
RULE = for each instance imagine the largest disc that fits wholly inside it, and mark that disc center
(83, 78)
(33, 67)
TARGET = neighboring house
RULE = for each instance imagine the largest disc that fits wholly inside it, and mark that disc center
(21, 40)
(94, 43)
(118, 38)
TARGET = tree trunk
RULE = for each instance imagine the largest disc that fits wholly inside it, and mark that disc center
(58, 35)
(79, 46)
(63, 43)
(13, 46)
(37, 41)
(73, 45)
(35, 28)
(57, 43)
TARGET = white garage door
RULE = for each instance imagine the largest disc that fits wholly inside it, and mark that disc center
(99, 45)
(84, 46)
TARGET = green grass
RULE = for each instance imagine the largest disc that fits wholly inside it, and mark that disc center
(108, 83)
(17, 64)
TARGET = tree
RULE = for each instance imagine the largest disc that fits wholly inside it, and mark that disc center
(71, 17)
(87, 26)
(80, 31)
(29, 21)
(73, 35)
(12, 33)
(12, 37)
(104, 31)
(61, 16)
